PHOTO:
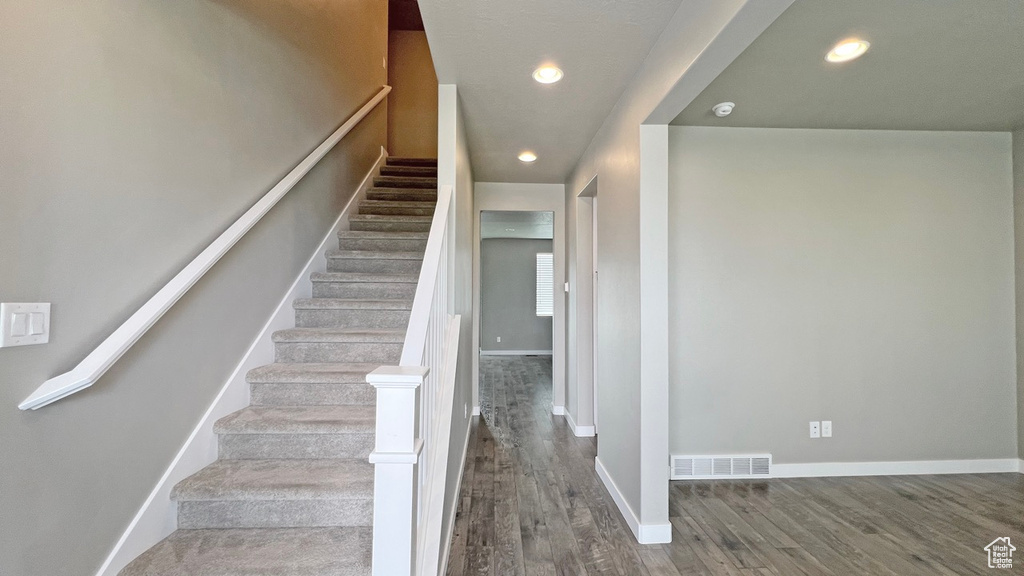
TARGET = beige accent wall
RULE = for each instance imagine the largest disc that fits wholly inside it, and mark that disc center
(862, 277)
(132, 135)
(412, 110)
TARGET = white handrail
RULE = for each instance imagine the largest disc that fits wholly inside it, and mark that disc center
(419, 317)
(89, 370)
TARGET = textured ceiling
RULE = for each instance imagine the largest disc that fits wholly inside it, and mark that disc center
(506, 224)
(933, 65)
(489, 48)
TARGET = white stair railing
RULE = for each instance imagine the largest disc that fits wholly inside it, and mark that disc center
(414, 414)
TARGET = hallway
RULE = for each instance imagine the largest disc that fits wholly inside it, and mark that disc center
(531, 503)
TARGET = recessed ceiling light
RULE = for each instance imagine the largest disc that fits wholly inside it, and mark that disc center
(724, 109)
(527, 157)
(547, 74)
(510, 229)
(849, 49)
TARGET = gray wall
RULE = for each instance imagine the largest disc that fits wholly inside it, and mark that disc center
(133, 134)
(508, 295)
(1018, 211)
(863, 277)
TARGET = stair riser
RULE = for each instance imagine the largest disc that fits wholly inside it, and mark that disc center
(374, 265)
(419, 171)
(369, 290)
(291, 446)
(299, 394)
(307, 352)
(405, 182)
(394, 161)
(383, 244)
(353, 319)
(404, 196)
(274, 513)
(426, 210)
(390, 226)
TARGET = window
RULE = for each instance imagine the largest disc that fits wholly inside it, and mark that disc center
(545, 285)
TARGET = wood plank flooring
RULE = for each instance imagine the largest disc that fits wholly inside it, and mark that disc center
(531, 504)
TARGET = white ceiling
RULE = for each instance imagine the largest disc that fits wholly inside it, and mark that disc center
(933, 65)
(507, 224)
(490, 48)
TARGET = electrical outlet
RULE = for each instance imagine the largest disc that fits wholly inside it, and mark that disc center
(499, 339)
(826, 428)
(815, 429)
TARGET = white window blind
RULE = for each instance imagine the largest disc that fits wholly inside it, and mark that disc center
(545, 285)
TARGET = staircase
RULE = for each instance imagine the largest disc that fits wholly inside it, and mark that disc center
(292, 491)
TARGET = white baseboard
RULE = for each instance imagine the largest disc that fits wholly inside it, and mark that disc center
(579, 431)
(826, 469)
(558, 410)
(644, 533)
(446, 545)
(515, 352)
(157, 517)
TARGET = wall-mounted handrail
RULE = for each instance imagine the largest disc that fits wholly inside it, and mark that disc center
(89, 370)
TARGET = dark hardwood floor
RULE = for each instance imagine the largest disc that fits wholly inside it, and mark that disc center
(532, 504)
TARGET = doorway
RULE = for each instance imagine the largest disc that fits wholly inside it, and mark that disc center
(586, 296)
(517, 288)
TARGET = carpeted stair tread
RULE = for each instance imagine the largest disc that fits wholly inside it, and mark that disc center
(394, 204)
(405, 182)
(351, 304)
(402, 194)
(259, 552)
(298, 420)
(324, 373)
(430, 171)
(374, 254)
(409, 161)
(383, 235)
(292, 491)
(389, 218)
(279, 479)
(361, 277)
(338, 335)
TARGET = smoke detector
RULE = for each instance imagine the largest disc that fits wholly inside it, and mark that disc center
(724, 109)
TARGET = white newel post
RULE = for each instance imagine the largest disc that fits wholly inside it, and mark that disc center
(395, 459)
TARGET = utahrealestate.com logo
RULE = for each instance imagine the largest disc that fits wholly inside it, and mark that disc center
(1000, 553)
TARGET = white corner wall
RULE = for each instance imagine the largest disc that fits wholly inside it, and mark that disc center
(863, 277)
(701, 40)
(455, 169)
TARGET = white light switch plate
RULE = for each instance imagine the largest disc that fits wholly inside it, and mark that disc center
(24, 324)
